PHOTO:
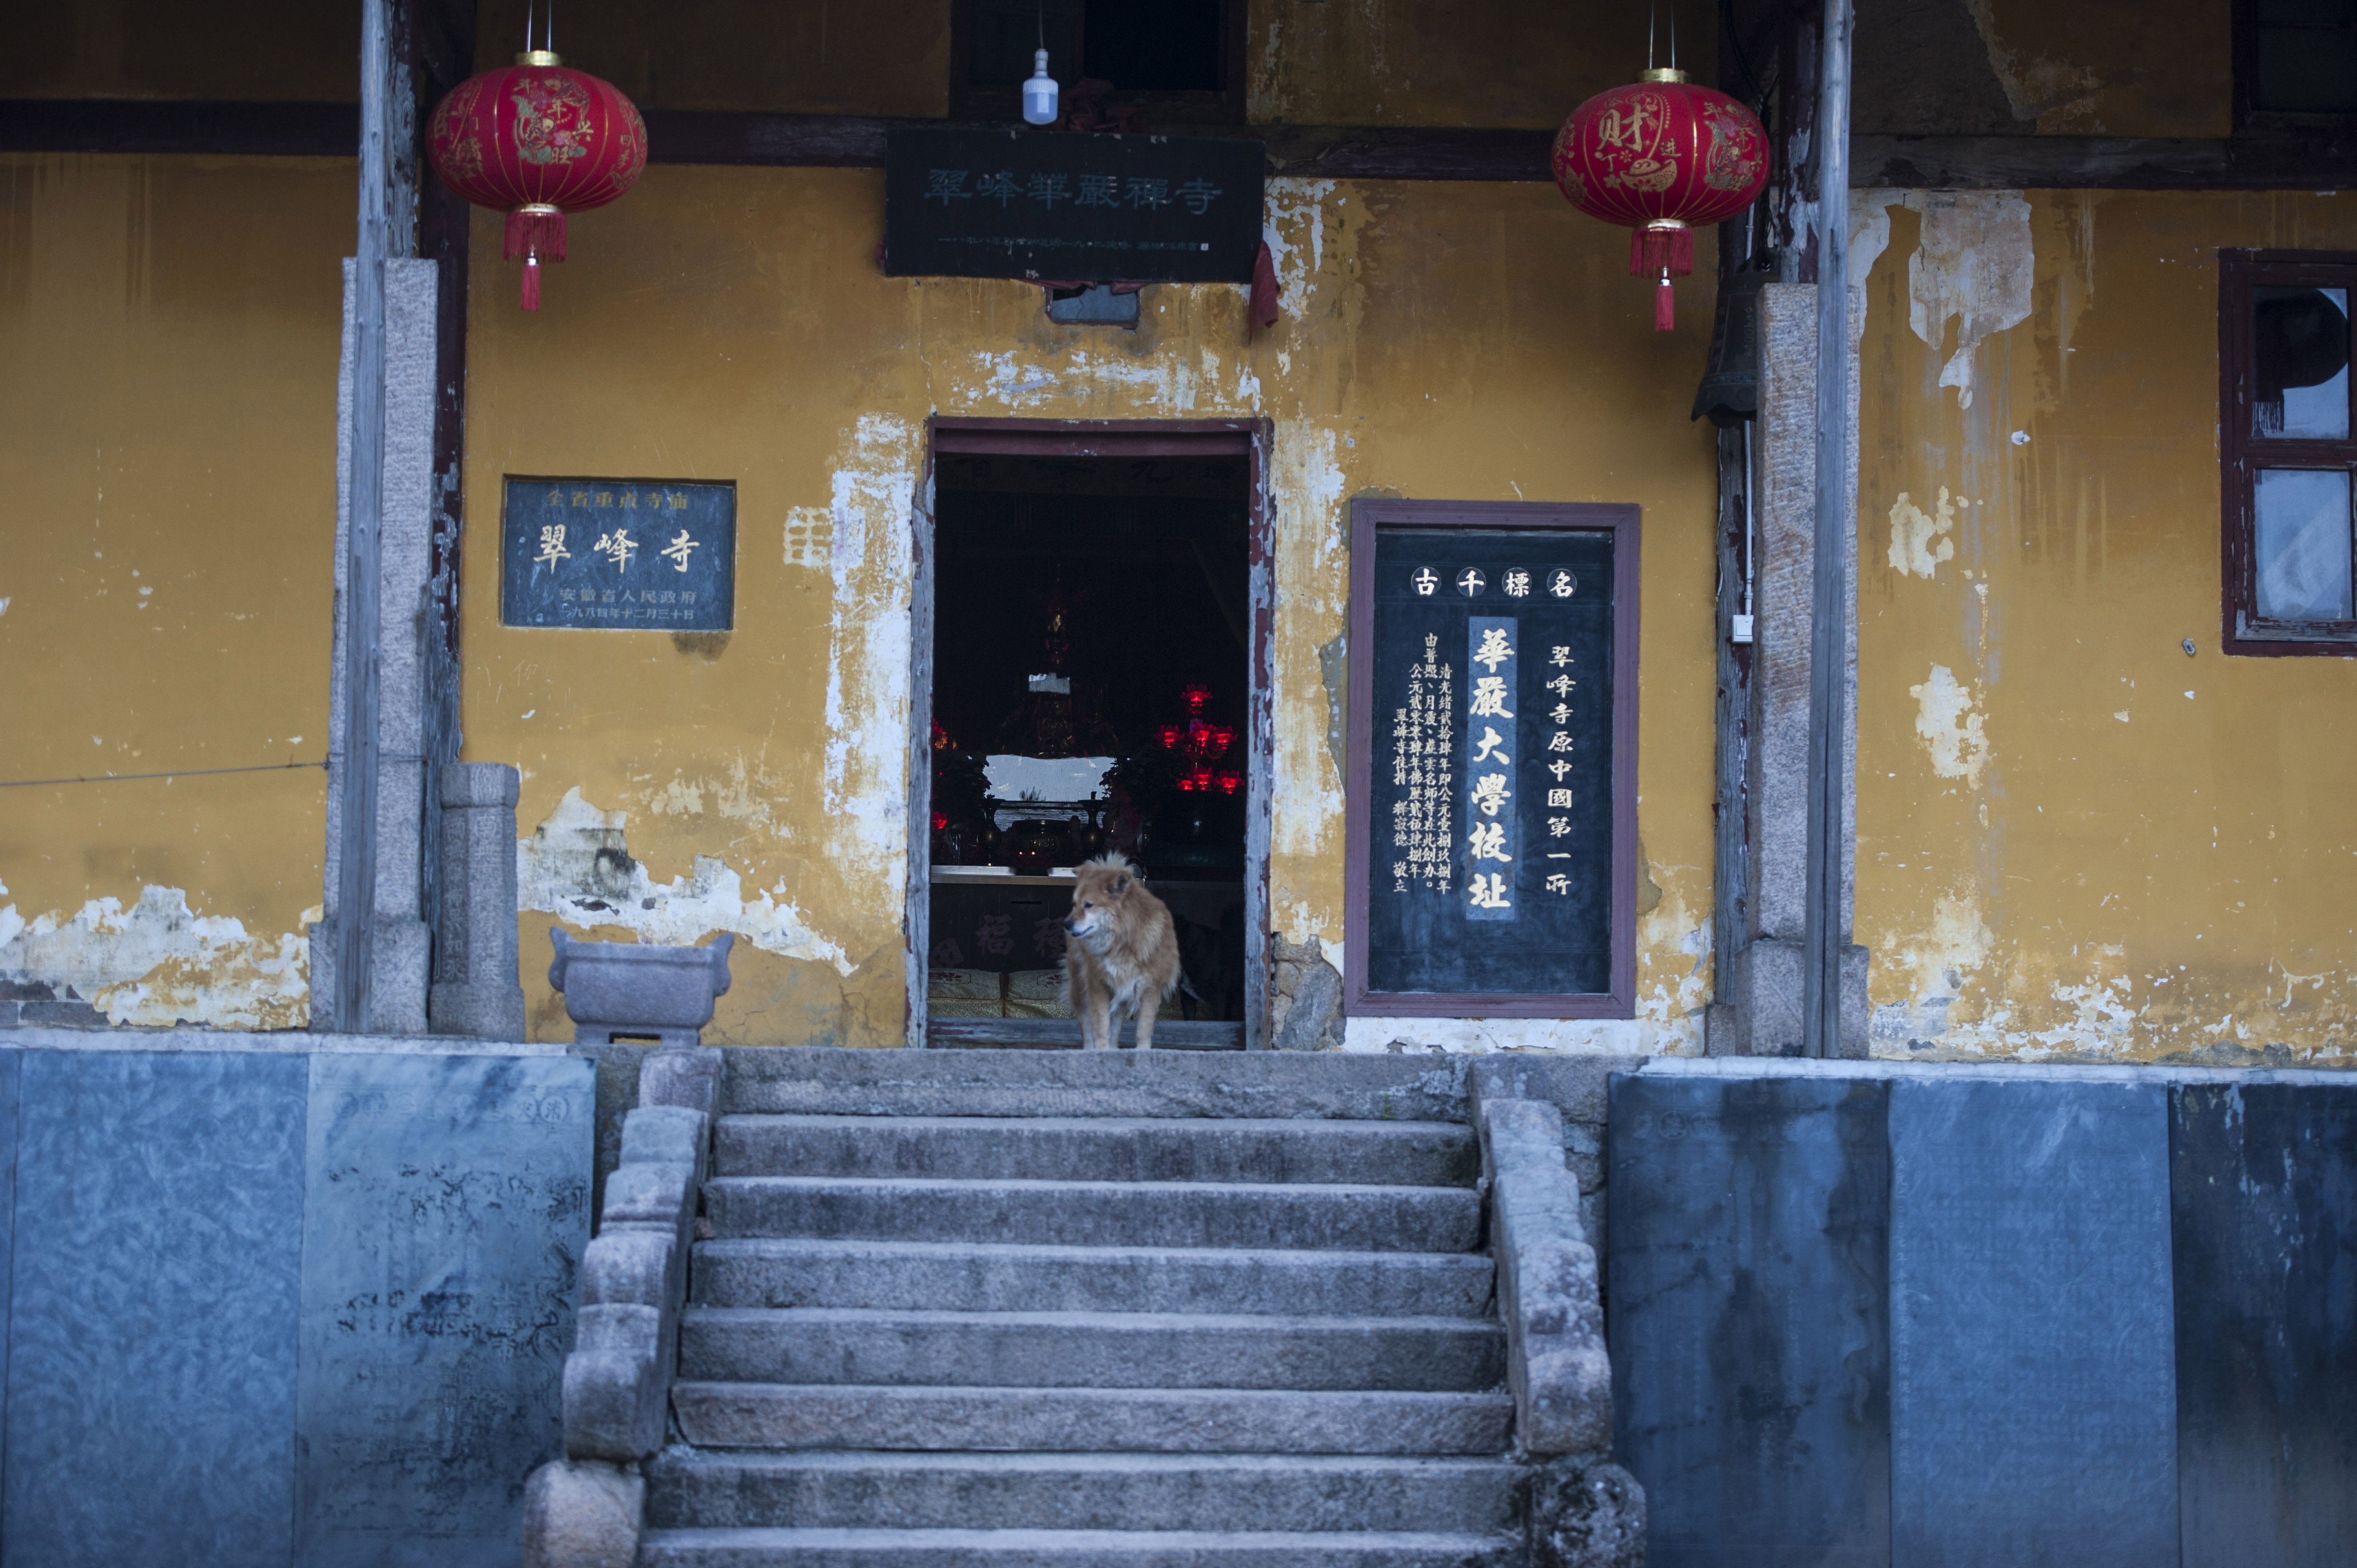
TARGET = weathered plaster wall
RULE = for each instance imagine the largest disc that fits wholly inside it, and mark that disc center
(1395, 62)
(167, 393)
(877, 57)
(2074, 840)
(1476, 342)
(2019, 68)
(245, 50)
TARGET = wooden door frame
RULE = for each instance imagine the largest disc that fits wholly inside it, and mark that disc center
(1251, 439)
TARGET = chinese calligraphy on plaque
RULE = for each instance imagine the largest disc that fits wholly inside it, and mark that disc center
(1490, 863)
(967, 202)
(619, 554)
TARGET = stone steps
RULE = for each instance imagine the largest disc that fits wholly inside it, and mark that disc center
(1069, 1549)
(1082, 1349)
(1366, 1218)
(1098, 1149)
(1128, 1492)
(870, 1416)
(960, 1277)
(968, 1310)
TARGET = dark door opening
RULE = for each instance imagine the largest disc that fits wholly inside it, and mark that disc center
(1090, 683)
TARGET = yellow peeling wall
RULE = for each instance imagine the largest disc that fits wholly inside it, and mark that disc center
(2074, 840)
(168, 437)
(1477, 342)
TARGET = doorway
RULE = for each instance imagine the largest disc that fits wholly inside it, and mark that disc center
(1089, 678)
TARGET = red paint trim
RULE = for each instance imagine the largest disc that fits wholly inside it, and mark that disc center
(1622, 521)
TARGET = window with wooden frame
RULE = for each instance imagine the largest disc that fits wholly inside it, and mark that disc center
(2289, 459)
(2295, 63)
(1178, 62)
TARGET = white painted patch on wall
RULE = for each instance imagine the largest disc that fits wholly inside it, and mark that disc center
(160, 964)
(1949, 728)
(868, 647)
(1919, 540)
(1974, 265)
(1974, 262)
(1295, 231)
(1306, 481)
(577, 865)
(810, 537)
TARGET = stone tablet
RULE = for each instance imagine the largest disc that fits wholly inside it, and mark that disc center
(151, 1372)
(1746, 1316)
(2033, 1403)
(2264, 1200)
(447, 1210)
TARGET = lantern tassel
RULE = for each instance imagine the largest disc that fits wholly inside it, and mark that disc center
(1656, 251)
(536, 235)
(1665, 306)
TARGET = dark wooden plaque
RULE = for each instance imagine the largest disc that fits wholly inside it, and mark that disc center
(1492, 823)
(966, 202)
(619, 554)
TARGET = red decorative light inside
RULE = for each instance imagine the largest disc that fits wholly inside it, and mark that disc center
(1662, 156)
(940, 821)
(1200, 742)
(537, 141)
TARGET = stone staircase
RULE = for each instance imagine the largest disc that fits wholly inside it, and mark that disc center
(1172, 1309)
(973, 1341)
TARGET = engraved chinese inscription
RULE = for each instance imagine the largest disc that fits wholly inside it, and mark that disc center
(1491, 862)
(619, 554)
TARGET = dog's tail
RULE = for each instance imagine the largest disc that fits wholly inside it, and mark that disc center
(1188, 986)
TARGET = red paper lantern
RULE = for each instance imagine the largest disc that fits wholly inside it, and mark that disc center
(1662, 156)
(537, 141)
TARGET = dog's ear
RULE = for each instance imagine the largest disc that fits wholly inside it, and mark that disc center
(1120, 884)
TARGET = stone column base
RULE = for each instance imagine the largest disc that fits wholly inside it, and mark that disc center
(397, 984)
(1762, 1015)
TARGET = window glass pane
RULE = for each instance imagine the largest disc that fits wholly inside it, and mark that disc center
(2302, 555)
(1172, 46)
(2300, 362)
(2306, 70)
(2308, 13)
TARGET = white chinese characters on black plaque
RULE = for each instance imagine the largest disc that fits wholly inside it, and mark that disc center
(619, 554)
(1490, 819)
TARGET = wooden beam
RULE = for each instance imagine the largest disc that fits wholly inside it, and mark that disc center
(2315, 161)
(147, 125)
(2319, 162)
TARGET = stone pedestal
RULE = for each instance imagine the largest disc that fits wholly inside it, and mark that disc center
(476, 987)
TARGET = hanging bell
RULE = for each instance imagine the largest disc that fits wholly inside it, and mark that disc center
(1730, 393)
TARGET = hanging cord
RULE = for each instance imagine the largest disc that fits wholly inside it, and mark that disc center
(173, 773)
(1651, 23)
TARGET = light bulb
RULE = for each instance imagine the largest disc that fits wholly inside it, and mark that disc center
(1039, 93)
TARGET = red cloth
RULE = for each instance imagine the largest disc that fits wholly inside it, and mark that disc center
(1262, 311)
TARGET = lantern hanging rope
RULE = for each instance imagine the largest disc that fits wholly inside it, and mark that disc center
(538, 141)
(1661, 155)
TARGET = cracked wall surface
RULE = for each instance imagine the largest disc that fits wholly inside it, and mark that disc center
(2075, 841)
(167, 404)
(1440, 341)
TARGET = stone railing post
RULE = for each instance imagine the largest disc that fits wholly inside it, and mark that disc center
(586, 1510)
(1580, 1509)
(476, 988)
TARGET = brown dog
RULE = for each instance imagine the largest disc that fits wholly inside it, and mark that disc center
(1123, 955)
